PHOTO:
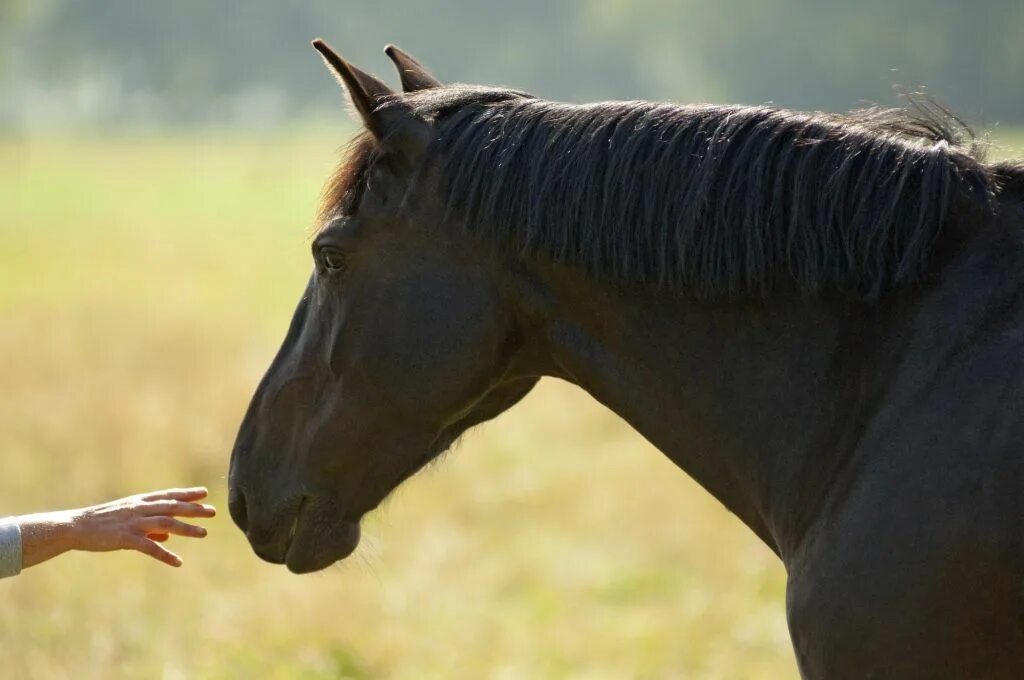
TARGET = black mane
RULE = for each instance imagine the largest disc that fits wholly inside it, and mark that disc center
(710, 201)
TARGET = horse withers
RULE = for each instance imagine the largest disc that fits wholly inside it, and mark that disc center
(819, 317)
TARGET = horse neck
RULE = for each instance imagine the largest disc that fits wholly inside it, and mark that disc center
(766, 403)
(754, 401)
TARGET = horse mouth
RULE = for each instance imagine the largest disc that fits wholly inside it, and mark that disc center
(312, 549)
(295, 523)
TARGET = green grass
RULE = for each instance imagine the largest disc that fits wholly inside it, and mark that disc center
(144, 286)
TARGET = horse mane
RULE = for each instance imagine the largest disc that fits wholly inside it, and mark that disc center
(706, 201)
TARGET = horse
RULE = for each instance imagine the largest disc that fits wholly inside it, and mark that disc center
(818, 317)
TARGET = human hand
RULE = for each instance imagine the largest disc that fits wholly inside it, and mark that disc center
(139, 522)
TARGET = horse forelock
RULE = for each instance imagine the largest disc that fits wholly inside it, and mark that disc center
(344, 187)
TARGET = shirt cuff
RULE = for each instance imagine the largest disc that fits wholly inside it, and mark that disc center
(10, 547)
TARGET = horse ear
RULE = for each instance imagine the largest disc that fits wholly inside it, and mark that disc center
(389, 119)
(413, 74)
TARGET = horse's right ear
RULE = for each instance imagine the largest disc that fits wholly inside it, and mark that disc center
(414, 75)
(383, 112)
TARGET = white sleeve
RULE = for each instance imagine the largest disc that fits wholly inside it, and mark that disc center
(10, 547)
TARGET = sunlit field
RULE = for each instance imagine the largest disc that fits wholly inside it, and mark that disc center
(145, 285)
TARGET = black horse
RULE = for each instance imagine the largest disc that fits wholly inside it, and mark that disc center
(818, 317)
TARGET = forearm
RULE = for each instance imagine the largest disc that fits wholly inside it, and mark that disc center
(45, 535)
(30, 539)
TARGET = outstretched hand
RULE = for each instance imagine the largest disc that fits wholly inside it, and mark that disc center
(140, 522)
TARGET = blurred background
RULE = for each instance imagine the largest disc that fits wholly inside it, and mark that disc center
(159, 166)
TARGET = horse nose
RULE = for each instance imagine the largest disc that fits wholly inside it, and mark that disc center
(237, 508)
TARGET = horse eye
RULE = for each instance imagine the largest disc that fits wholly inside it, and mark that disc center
(332, 259)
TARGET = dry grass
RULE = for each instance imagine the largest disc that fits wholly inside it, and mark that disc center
(144, 286)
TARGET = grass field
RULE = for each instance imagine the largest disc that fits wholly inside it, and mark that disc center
(144, 287)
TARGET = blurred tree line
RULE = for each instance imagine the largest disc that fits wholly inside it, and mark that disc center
(141, 61)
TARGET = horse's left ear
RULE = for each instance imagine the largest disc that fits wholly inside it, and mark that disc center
(413, 74)
(386, 116)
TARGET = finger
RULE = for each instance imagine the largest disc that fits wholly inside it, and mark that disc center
(159, 538)
(177, 509)
(190, 494)
(168, 525)
(155, 550)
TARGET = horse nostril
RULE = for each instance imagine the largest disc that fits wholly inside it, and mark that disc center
(236, 506)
